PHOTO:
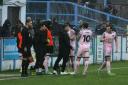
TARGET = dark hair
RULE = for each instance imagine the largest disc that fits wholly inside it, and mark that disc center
(28, 20)
(109, 26)
(85, 25)
(46, 23)
(67, 24)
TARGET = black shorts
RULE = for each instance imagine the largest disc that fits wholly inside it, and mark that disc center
(49, 49)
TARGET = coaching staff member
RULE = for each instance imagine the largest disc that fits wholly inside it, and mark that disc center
(40, 46)
(26, 46)
(64, 50)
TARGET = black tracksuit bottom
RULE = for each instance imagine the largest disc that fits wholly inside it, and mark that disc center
(63, 54)
(40, 57)
(25, 61)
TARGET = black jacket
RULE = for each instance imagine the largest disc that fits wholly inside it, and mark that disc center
(40, 40)
(26, 38)
(64, 40)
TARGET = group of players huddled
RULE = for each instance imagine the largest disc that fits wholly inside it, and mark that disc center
(42, 41)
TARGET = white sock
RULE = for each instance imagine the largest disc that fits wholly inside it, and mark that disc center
(46, 69)
(102, 66)
(77, 66)
(21, 69)
(40, 70)
(108, 66)
(46, 63)
(37, 70)
(85, 66)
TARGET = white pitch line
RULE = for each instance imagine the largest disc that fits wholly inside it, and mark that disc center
(9, 75)
(120, 68)
(111, 68)
(11, 78)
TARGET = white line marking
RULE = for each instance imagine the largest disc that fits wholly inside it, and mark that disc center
(9, 75)
(111, 68)
(11, 78)
(120, 68)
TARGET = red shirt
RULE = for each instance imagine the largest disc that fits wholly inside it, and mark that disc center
(50, 38)
(20, 39)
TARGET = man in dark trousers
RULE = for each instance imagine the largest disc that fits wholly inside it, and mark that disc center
(40, 43)
(26, 47)
(64, 50)
(49, 47)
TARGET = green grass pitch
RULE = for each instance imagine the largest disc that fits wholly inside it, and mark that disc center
(93, 78)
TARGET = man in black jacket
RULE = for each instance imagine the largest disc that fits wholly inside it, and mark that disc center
(64, 50)
(26, 47)
(40, 43)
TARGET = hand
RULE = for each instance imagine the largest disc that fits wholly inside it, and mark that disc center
(30, 59)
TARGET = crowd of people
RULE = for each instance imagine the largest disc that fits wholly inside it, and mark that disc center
(41, 36)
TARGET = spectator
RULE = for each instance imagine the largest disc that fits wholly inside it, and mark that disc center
(6, 28)
(86, 4)
(111, 10)
(18, 28)
(100, 28)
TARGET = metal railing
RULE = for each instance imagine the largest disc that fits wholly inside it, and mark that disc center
(72, 12)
